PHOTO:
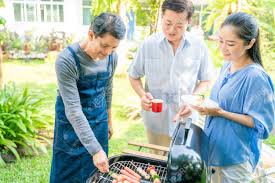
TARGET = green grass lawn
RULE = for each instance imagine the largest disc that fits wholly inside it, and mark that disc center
(36, 169)
(40, 77)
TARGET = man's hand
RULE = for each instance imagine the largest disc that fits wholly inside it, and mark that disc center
(184, 112)
(146, 103)
(110, 131)
(101, 162)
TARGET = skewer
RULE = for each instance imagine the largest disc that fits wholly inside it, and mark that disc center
(152, 170)
(141, 171)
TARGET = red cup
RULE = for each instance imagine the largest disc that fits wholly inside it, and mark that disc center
(157, 105)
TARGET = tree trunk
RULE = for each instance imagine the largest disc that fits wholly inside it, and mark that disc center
(154, 18)
(157, 18)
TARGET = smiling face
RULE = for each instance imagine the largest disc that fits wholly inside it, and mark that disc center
(99, 47)
(174, 25)
(232, 47)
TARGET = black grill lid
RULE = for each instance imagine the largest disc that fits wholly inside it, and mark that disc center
(185, 162)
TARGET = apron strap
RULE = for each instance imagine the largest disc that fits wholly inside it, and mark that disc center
(110, 66)
(77, 62)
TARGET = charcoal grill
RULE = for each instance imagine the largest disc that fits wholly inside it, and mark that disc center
(131, 161)
(184, 161)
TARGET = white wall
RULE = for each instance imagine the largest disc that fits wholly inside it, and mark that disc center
(72, 20)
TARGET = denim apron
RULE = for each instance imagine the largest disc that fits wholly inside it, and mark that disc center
(71, 161)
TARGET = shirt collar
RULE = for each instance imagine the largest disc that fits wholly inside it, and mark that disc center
(184, 42)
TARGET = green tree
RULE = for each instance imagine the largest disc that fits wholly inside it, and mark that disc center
(147, 11)
(99, 6)
(217, 10)
(263, 10)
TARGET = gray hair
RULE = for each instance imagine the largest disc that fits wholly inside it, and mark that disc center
(108, 23)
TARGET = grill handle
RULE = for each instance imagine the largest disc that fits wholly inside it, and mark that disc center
(180, 136)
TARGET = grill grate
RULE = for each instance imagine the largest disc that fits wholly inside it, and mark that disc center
(117, 166)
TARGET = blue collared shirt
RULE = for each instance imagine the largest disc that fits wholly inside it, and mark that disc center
(247, 91)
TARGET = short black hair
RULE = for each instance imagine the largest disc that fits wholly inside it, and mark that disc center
(108, 23)
(178, 6)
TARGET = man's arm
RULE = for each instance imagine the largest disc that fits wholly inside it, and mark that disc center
(144, 97)
(108, 96)
(136, 72)
(137, 86)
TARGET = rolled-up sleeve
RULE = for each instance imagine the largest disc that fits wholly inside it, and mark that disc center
(207, 70)
(259, 127)
(136, 68)
(260, 105)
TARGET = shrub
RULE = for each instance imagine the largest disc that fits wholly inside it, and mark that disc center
(21, 120)
(215, 53)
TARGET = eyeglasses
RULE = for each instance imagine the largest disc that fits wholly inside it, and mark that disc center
(178, 25)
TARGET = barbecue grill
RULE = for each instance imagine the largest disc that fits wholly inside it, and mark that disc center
(131, 161)
(184, 161)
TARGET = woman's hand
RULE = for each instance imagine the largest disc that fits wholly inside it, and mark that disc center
(101, 161)
(215, 111)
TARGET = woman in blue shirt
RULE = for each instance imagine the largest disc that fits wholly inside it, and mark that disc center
(245, 95)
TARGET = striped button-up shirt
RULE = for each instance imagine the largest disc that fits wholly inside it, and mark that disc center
(169, 75)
